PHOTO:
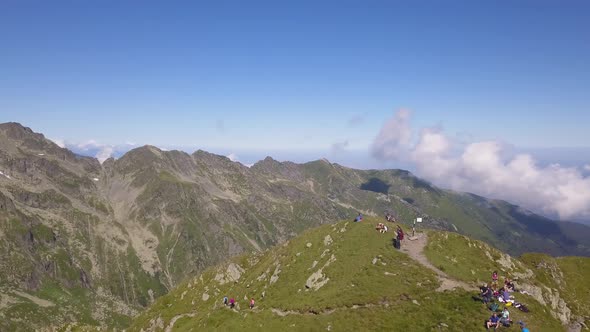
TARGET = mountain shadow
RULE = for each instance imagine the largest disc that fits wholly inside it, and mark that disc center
(376, 185)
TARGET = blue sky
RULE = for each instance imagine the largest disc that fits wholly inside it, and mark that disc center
(296, 76)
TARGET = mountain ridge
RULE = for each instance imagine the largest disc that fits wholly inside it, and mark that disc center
(125, 232)
(347, 276)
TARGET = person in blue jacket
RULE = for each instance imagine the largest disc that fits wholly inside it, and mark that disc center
(523, 327)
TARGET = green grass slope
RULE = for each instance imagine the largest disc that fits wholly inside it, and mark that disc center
(556, 286)
(340, 277)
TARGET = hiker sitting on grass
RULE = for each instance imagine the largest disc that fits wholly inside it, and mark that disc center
(389, 217)
(509, 285)
(358, 218)
(505, 319)
(494, 322)
(252, 303)
(495, 280)
(486, 293)
(381, 228)
(505, 296)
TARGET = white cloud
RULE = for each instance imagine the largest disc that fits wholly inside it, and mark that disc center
(105, 153)
(339, 146)
(587, 167)
(393, 137)
(60, 142)
(233, 157)
(100, 151)
(480, 167)
(90, 144)
(356, 120)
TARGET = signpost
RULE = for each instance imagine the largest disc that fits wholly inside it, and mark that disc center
(414, 226)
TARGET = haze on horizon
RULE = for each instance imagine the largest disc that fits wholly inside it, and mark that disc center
(493, 96)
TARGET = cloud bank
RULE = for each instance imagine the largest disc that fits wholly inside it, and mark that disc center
(356, 119)
(101, 151)
(339, 146)
(96, 149)
(59, 142)
(483, 168)
(234, 157)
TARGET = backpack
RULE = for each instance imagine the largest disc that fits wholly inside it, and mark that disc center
(494, 307)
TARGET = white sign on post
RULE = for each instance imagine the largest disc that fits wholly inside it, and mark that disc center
(419, 219)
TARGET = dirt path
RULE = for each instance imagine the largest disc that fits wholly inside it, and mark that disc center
(283, 313)
(175, 318)
(34, 299)
(414, 247)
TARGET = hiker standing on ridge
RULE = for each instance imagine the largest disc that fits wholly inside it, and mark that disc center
(495, 280)
(252, 303)
(400, 236)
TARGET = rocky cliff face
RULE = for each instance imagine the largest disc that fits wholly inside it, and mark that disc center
(99, 242)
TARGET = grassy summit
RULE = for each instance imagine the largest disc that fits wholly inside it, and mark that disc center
(340, 277)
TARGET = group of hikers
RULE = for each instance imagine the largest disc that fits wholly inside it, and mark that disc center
(382, 228)
(231, 303)
(490, 293)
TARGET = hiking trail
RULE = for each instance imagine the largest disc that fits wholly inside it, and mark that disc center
(414, 247)
(177, 317)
